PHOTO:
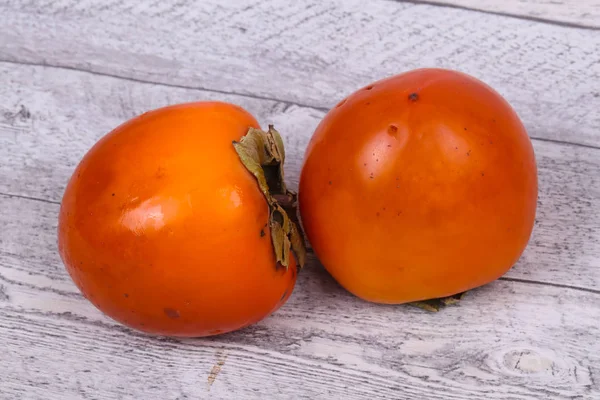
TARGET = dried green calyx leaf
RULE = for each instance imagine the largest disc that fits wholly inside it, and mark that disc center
(434, 305)
(262, 154)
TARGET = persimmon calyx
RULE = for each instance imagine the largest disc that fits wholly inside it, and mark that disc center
(263, 155)
(435, 305)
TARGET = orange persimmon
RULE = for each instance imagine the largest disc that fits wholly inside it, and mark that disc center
(419, 186)
(167, 224)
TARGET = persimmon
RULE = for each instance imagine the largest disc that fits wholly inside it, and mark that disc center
(419, 186)
(170, 223)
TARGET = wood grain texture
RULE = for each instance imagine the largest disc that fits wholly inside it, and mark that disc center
(313, 52)
(509, 340)
(532, 335)
(579, 13)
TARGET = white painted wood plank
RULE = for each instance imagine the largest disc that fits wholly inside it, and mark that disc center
(508, 340)
(53, 116)
(577, 12)
(315, 52)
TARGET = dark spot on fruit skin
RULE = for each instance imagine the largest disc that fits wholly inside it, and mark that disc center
(393, 130)
(113, 194)
(377, 214)
(330, 182)
(125, 295)
(171, 313)
(413, 97)
(482, 174)
(369, 87)
(161, 172)
(465, 129)
(262, 233)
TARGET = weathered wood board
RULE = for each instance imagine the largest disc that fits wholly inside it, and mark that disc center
(71, 71)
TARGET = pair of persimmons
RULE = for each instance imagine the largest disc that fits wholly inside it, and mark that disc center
(417, 187)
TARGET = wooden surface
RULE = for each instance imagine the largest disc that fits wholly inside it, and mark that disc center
(576, 13)
(71, 70)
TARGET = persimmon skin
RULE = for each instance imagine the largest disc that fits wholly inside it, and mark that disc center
(163, 229)
(420, 186)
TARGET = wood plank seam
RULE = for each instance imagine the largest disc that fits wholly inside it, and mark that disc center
(434, 3)
(172, 85)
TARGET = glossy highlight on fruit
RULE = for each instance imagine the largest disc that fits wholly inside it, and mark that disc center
(419, 186)
(166, 230)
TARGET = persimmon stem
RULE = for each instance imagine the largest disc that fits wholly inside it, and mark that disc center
(263, 155)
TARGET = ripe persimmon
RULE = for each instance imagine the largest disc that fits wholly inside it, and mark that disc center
(168, 224)
(419, 186)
